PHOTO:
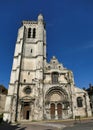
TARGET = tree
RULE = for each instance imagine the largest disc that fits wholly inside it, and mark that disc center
(3, 90)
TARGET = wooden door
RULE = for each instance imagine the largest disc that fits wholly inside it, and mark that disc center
(52, 110)
(59, 110)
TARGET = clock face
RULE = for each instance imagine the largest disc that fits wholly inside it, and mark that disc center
(27, 90)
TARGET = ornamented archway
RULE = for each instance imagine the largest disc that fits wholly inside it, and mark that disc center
(55, 98)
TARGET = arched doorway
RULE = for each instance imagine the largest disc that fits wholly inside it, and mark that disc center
(52, 110)
(26, 111)
(56, 106)
(55, 97)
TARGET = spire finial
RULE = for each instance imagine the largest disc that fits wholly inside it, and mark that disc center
(40, 17)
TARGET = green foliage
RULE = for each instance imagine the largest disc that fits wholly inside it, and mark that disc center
(3, 90)
(1, 118)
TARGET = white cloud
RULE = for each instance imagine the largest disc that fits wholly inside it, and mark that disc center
(89, 45)
(86, 46)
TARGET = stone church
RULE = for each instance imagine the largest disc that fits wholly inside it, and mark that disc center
(39, 90)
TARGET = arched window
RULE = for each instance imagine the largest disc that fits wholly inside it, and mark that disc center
(34, 32)
(79, 102)
(29, 32)
(55, 77)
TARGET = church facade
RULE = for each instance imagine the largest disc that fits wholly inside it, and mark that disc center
(39, 90)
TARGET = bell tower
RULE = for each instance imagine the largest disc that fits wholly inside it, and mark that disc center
(24, 99)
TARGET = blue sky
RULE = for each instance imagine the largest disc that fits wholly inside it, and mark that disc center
(69, 25)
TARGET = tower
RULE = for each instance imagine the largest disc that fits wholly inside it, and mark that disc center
(24, 99)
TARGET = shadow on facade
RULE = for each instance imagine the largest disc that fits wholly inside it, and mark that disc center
(7, 126)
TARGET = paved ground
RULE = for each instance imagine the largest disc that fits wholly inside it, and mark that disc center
(86, 124)
(80, 126)
(36, 126)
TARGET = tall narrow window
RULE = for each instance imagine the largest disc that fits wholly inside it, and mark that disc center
(29, 32)
(79, 102)
(31, 50)
(34, 32)
(55, 77)
(24, 80)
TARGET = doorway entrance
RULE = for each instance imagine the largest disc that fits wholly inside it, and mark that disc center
(57, 109)
(26, 111)
(27, 114)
